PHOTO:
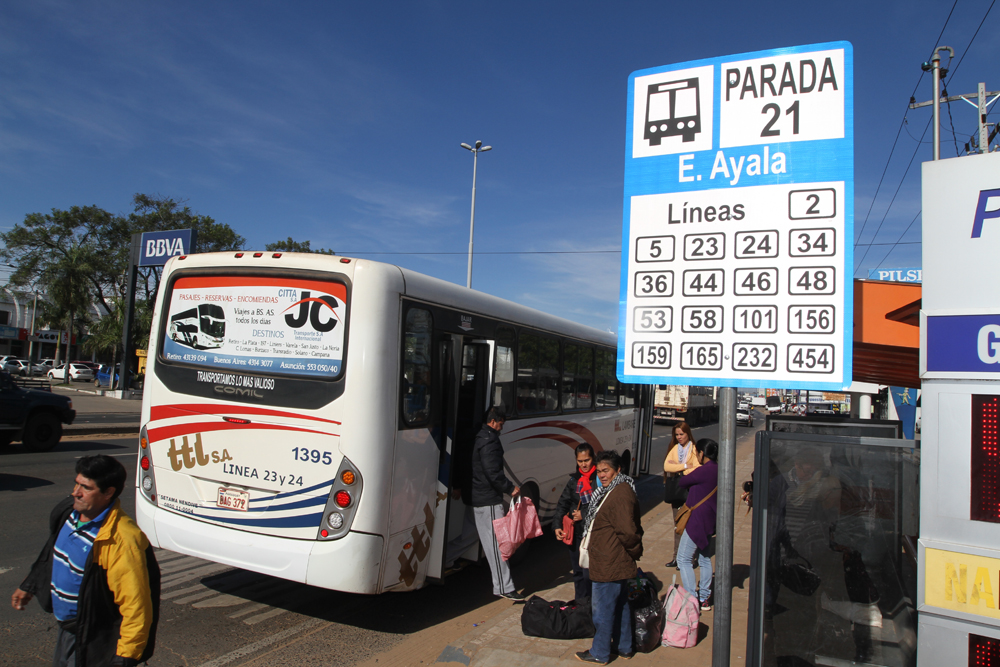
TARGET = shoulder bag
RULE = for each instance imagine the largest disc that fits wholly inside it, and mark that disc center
(685, 513)
(585, 544)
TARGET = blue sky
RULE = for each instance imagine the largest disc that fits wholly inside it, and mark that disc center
(340, 123)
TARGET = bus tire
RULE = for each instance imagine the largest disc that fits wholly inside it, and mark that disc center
(42, 432)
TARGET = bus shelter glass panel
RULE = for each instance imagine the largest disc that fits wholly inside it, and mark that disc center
(833, 568)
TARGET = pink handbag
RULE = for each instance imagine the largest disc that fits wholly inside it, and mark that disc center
(519, 525)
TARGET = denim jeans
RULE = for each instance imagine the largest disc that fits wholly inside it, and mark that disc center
(612, 619)
(686, 552)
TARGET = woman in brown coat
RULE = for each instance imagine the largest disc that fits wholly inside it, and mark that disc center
(681, 460)
(615, 544)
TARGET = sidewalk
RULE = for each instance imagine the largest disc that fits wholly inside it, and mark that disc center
(491, 636)
(119, 417)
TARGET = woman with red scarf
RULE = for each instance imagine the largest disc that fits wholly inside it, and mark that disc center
(573, 503)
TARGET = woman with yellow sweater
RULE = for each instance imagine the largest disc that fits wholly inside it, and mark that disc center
(681, 460)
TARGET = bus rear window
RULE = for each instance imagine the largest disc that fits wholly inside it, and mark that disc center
(273, 325)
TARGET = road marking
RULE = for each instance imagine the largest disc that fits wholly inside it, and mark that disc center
(250, 610)
(254, 620)
(189, 575)
(5, 570)
(182, 591)
(196, 596)
(258, 645)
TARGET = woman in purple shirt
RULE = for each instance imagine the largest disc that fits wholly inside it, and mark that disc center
(701, 483)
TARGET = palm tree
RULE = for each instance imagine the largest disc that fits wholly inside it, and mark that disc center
(68, 285)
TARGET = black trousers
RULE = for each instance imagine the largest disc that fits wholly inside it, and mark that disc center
(581, 576)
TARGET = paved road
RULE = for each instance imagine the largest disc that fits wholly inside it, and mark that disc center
(214, 615)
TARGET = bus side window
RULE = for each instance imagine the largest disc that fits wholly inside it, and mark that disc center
(537, 374)
(416, 385)
(626, 396)
(578, 377)
(607, 382)
(503, 388)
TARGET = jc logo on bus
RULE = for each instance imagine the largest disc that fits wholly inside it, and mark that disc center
(310, 308)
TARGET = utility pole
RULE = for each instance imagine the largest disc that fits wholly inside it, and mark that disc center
(981, 105)
(722, 632)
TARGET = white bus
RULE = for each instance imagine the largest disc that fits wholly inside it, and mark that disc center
(319, 442)
(200, 327)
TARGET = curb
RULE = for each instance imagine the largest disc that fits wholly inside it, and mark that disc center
(98, 429)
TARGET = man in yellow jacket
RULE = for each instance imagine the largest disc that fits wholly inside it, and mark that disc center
(97, 574)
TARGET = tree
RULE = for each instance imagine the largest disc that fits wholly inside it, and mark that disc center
(104, 240)
(68, 286)
(295, 246)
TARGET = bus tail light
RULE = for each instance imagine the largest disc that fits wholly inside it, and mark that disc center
(342, 504)
(147, 485)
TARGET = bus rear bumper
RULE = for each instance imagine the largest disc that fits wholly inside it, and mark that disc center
(350, 564)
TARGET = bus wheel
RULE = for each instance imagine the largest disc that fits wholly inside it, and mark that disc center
(42, 432)
(529, 490)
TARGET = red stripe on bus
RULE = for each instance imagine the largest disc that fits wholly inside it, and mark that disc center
(564, 439)
(334, 288)
(165, 432)
(185, 409)
(581, 431)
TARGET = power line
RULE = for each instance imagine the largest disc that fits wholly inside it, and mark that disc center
(954, 69)
(900, 129)
(893, 200)
(899, 241)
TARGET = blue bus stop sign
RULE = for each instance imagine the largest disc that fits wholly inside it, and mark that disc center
(158, 247)
(738, 235)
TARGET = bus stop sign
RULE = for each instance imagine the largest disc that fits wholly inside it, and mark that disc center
(739, 221)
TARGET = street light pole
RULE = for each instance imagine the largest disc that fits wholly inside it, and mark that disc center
(472, 223)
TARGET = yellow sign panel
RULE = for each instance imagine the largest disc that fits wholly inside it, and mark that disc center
(962, 582)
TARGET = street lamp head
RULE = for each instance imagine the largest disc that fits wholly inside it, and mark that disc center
(485, 148)
(466, 147)
(478, 144)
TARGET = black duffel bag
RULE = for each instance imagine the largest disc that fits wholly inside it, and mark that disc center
(557, 619)
(648, 615)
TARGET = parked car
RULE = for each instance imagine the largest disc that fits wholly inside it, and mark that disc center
(71, 372)
(47, 363)
(89, 364)
(31, 416)
(744, 417)
(103, 377)
(17, 367)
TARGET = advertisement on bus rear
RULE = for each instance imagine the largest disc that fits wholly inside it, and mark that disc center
(281, 326)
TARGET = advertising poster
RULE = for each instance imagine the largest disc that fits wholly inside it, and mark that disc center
(281, 326)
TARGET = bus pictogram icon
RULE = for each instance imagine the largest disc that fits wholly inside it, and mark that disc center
(673, 108)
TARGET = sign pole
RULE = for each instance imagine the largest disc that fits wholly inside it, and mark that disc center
(724, 528)
(124, 376)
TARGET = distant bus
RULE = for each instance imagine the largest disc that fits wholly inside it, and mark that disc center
(323, 440)
(672, 108)
(200, 328)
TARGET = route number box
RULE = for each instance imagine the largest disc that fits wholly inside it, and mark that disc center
(738, 237)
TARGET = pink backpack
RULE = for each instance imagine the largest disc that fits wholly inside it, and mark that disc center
(682, 610)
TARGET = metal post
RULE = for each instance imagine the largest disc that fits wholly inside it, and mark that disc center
(722, 633)
(936, 76)
(984, 140)
(31, 343)
(472, 222)
(125, 376)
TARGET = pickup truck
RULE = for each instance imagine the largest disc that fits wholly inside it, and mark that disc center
(32, 416)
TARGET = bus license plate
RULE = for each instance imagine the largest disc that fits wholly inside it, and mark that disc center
(233, 499)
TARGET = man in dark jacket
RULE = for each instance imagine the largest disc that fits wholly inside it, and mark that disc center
(97, 574)
(488, 486)
(615, 545)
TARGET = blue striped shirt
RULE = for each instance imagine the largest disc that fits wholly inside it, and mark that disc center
(69, 558)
